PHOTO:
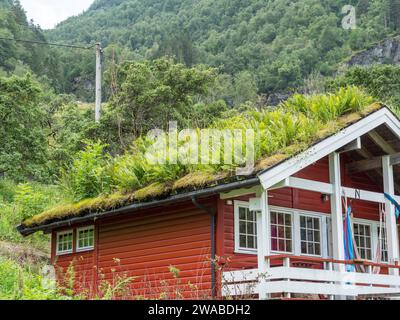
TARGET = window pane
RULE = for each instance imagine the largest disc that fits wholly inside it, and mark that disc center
(250, 228)
(281, 231)
(274, 244)
(310, 235)
(302, 222)
(317, 249)
(288, 220)
(288, 245)
(247, 229)
(251, 242)
(86, 238)
(243, 243)
(242, 213)
(383, 243)
(303, 247)
(64, 243)
(362, 235)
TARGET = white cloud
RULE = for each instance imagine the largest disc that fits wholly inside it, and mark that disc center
(47, 13)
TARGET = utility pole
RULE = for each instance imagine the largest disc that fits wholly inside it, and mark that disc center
(98, 82)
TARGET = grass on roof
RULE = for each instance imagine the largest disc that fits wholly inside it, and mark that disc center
(286, 131)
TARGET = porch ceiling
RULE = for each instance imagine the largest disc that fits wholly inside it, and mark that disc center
(377, 143)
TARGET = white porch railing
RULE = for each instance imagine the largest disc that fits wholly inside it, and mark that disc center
(290, 275)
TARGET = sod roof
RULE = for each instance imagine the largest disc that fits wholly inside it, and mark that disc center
(197, 180)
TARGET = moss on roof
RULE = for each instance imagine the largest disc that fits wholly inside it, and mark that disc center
(191, 181)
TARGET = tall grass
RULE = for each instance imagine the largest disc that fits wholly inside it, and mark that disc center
(21, 201)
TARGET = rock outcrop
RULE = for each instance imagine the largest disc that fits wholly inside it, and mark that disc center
(388, 52)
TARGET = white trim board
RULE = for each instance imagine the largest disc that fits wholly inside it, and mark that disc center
(325, 147)
(327, 188)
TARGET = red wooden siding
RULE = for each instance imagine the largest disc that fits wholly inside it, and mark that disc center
(145, 245)
(81, 266)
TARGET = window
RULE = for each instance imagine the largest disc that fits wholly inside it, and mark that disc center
(383, 245)
(281, 231)
(362, 235)
(85, 238)
(246, 228)
(64, 242)
(310, 235)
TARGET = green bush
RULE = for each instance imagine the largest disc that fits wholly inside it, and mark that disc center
(381, 81)
(18, 283)
(21, 201)
(89, 174)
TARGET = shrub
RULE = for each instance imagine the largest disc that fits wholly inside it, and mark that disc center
(89, 174)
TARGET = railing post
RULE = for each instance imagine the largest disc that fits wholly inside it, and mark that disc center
(263, 245)
(329, 266)
(391, 227)
(369, 271)
(286, 264)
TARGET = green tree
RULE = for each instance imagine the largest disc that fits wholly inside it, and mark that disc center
(150, 94)
(381, 81)
(23, 147)
(245, 88)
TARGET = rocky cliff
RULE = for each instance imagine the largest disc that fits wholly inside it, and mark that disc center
(387, 51)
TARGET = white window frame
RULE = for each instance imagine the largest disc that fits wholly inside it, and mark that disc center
(321, 234)
(88, 248)
(58, 252)
(238, 249)
(286, 211)
(374, 235)
(296, 236)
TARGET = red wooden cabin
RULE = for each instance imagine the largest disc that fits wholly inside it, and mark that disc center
(275, 234)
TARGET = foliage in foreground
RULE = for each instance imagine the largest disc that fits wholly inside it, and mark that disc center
(17, 202)
(18, 283)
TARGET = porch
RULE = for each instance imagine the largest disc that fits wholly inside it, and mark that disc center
(293, 266)
(288, 276)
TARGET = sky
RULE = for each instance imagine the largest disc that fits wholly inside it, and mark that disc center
(47, 13)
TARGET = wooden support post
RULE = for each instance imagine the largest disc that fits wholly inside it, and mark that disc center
(336, 213)
(336, 210)
(391, 227)
(263, 244)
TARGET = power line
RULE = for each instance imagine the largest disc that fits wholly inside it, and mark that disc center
(49, 43)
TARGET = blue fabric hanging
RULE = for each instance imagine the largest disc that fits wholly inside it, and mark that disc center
(348, 240)
(394, 202)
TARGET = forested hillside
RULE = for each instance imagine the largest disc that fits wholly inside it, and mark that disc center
(21, 57)
(280, 42)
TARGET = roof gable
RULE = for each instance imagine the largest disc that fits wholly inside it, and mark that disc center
(274, 175)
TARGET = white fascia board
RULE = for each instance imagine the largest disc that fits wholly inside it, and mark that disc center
(327, 188)
(327, 146)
